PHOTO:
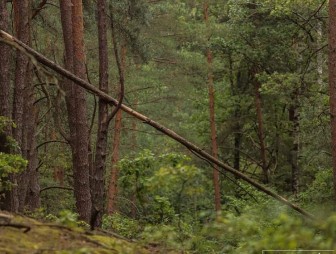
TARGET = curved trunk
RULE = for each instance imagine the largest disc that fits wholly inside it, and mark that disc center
(97, 178)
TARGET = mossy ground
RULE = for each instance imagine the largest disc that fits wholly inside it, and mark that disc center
(52, 238)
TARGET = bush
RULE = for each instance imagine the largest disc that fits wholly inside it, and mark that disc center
(122, 225)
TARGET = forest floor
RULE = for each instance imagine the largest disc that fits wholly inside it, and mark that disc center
(20, 234)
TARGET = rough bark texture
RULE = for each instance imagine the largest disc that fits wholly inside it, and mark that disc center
(31, 187)
(28, 148)
(214, 146)
(73, 33)
(4, 67)
(97, 178)
(332, 83)
(28, 186)
(4, 94)
(81, 151)
(113, 186)
(146, 120)
(21, 25)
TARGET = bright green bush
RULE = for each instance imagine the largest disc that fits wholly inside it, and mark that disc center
(9, 163)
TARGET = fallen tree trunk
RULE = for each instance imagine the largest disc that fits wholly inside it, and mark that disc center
(37, 57)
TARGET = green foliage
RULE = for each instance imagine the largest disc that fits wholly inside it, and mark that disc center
(122, 225)
(166, 236)
(247, 234)
(5, 123)
(10, 164)
(320, 190)
(166, 197)
(165, 186)
(68, 218)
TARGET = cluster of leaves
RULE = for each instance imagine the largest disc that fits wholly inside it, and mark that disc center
(248, 234)
(9, 163)
(163, 185)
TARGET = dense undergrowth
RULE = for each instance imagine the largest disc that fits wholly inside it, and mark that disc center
(172, 209)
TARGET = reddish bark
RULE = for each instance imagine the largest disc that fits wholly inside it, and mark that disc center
(81, 144)
(214, 146)
(21, 22)
(113, 185)
(73, 33)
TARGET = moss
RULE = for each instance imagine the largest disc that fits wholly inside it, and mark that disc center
(121, 246)
(47, 238)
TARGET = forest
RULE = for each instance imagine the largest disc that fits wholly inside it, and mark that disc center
(168, 126)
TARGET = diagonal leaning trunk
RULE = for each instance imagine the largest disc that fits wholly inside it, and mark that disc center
(10, 40)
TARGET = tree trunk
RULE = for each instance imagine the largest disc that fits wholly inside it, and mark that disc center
(5, 95)
(113, 185)
(294, 134)
(29, 151)
(214, 146)
(97, 178)
(81, 144)
(134, 146)
(29, 148)
(21, 23)
(261, 131)
(31, 188)
(332, 83)
(4, 68)
(73, 33)
(237, 128)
